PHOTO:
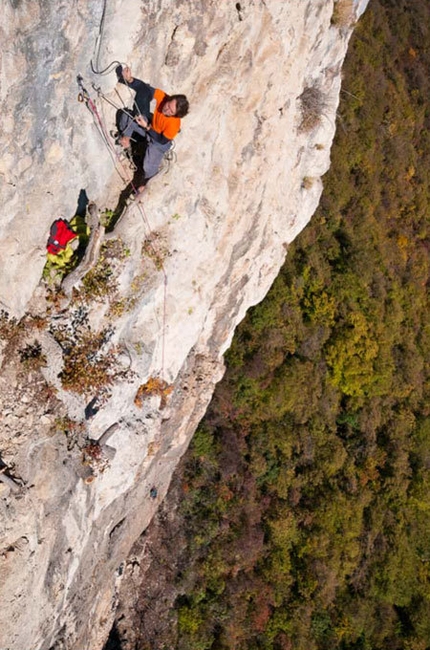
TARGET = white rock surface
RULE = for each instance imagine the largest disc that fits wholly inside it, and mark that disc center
(246, 181)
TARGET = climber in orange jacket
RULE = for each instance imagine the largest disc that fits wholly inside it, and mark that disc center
(159, 129)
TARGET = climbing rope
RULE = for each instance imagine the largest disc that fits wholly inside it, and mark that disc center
(84, 97)
(95, 68)
(101, 127)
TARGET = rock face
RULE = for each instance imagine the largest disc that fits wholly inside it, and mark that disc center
(138, 342)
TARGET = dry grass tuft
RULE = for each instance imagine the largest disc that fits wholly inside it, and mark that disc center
(312, 105)
(154, 386)
(343, 13)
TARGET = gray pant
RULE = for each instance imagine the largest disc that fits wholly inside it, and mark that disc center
(154, 150)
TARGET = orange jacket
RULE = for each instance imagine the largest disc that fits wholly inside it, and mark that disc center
(167, 126)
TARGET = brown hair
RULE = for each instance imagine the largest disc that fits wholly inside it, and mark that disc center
(182, 105)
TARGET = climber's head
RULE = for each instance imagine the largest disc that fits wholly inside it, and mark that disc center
(175, 106)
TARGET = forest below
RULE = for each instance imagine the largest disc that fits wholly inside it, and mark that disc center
(304, 500)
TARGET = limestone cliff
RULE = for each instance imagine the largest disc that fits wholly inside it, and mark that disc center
(103, 384)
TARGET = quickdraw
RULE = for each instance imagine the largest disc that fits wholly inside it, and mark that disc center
(84, 96)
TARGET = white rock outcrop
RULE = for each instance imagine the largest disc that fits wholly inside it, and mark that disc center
(141, 345)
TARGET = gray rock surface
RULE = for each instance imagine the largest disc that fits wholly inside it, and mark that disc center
(138, 341)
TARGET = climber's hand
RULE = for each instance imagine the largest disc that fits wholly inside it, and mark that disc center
(141, 121)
